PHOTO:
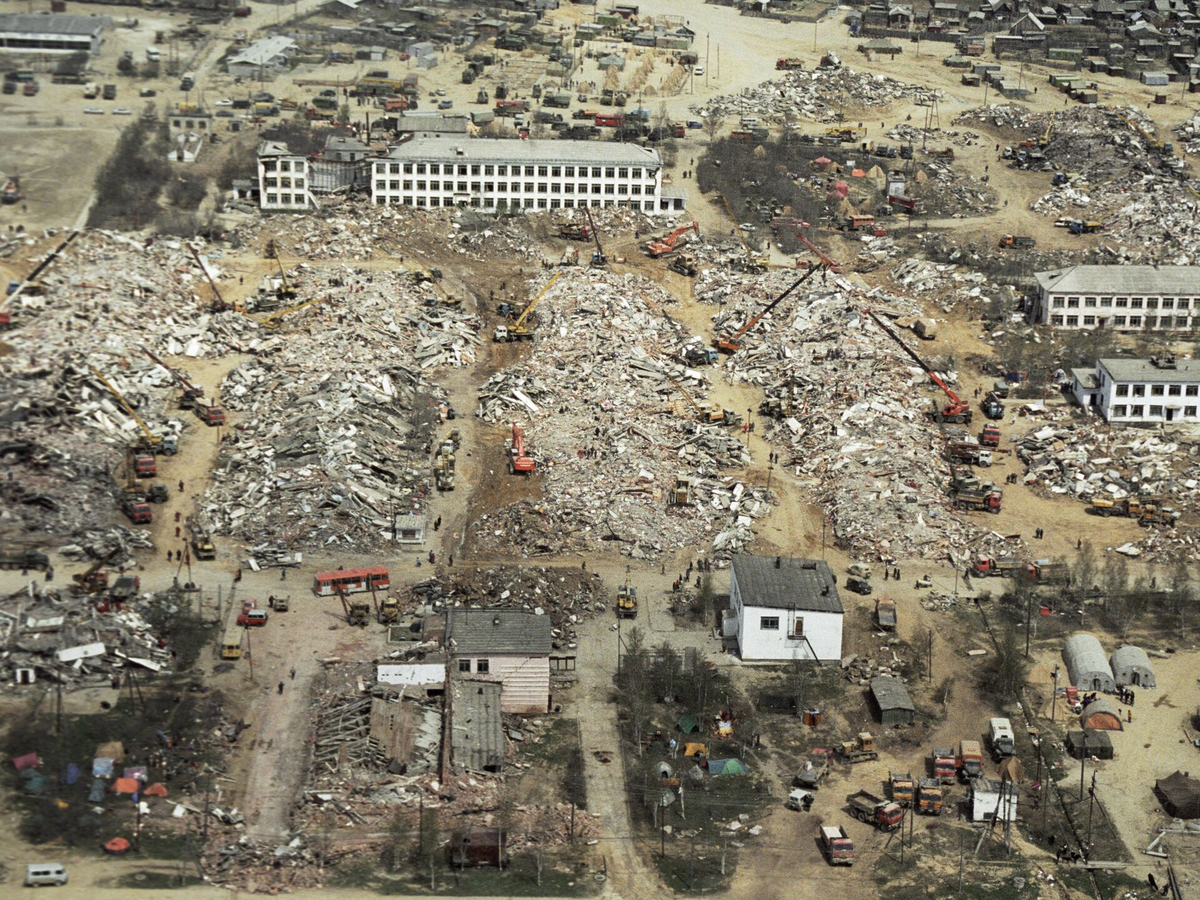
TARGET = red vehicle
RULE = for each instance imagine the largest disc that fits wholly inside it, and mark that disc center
(789, 62)
(679, 130)
(393, 104)
(139, 513)
(990, 436)
(351, 581)
(883, 814)
(519, 462)
(145, 466)
(252, 618)
(610, 120)
(944, 768)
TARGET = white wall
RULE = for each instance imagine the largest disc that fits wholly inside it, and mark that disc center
(524, 681)
(823, 631)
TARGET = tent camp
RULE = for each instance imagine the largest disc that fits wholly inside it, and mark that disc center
(727, 767)
(1090, 743)
(688, 724)
(1100, 715)
(1131, 665)
(1087, 663)
(1180, 795)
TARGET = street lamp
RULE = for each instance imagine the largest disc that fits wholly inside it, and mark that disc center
(1054, 694)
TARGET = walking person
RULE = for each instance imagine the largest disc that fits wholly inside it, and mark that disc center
(281, 687)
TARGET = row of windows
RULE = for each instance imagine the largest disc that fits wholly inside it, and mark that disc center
(287, 200)
(1123, 302)
(1130, 321)
(1157, 390)
(504, 187)
(478, 169)
(284, 165)
(501, 203)
(283, 182)
(481, 666)
(1156, 412)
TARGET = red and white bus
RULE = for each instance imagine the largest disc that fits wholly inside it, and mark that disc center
(351, 581)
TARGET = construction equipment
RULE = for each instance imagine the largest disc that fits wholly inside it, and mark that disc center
(969, 761)
(443, 467)
(218, 304)
(657, 248)
(1160, 516)
(957, 410)
(755, 262)
(94, 580)
(149, 441)
(837, 846)
(279, 604)
(574, 231)
(732, 343)
(31, 285)
(815, 768)
(883, 814)
(682, 492)
(799, 800)
(970, 452)
(387, 610)
(990, 436)
(980, 501)
(931, 797)
(684, 264)
(1130, 507)
(627, 602)
(992, 406)
(1044, 140)
(828, 263)
(202, 544)
(1013, 240)
(286, 290)
(1043, 571)
(517, 331)
(598, 258)
(519, 462)
(192, 397)
(698, 355)
(1080, 226)
(990, 567)
(125, 589)
(945, 769)
(358, 610)
(25, 560)
(272, 321)
(861, 749)
(903, 788)
(885, 613)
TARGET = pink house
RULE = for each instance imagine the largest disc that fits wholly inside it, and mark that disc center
(509, 646)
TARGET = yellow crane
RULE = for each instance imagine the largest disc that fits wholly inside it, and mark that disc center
(272, 321)
(1044, 140)
(150, 440)
(286, 290)
(753, 260)
(518, 332)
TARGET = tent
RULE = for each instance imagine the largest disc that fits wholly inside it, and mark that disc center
(1093, 743)
(155, 790)
(113, 750)
(1012, 770)
(1087, 664)
(126, 786)
(1180, 795)
(1101, 716)
(822, 162)
(136, 772)
(102, 767)
(688, 724)
(28, 761)
(99, 788)
(1131, 665)
(727, 767)
(116, 845)
(697, 750)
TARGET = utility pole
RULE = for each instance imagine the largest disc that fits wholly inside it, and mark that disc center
(931, 656)
(1087, 852)
(1054, 694)
(1082, 760)
(1028, 618)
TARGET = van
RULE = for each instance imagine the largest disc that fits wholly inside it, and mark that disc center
(41, 874)
(1001, 733)
(231, 643)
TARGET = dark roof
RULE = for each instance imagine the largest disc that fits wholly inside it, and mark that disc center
(890, 693)
(1180, 795)
(797, 583)
(476, 732)
(475, 632)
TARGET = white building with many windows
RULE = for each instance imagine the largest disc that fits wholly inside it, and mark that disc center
(283, 178)
(518, 175)
(1161, 389)
(1125, 298)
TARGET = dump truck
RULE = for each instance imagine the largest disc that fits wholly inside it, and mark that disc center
(980, 501)
(943, 765)
(837, 846)
(815, 768)
(1014, 240)
(992, 406)
(990, 436)
(970, 452)
(203, 546)
(1165, 516)
(785, 63)
(931, 797)
(903, 787)
(885, 613)
(1000, 735)
(1044, 571)
(859, 750)
(358, 610)
(443, 471)
(23, 559)
(1004, 567)
(969, 760)
(883, 814)
(627, 602)
(1132, 507)
(137, 511)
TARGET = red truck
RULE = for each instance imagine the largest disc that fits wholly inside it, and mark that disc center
(511, 107)
(883, 814)
(980, 501)
(145, 467)
(837, 846)
(610, 120)
(785, 63)
(990, 436)
(138, 511)
(944, 769)
(990, 567)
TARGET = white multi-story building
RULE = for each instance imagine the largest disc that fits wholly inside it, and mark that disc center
(283, 178)
(1123, 298)
(1156, 390)
(520, 175)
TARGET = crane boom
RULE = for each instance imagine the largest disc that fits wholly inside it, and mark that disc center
(830, 264)
(957, 410)
(285, 289)
(751, 257)
(150, 437)
(272, 321)
(40, 269)
(534, 302)
(732, 345)
(598, 258)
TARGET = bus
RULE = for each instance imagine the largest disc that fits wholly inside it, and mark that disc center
(351, 581)
(231, 643)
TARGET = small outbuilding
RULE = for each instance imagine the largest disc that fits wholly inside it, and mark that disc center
(989, 799)
(1180, 795)
(1089, 743)
(1131, 666)
(892, 701)
(1101, 715)
(1087, 663)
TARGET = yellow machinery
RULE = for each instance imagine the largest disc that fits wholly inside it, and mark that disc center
(149, 441)
(286, 290)
(518, 332)
(272, 321)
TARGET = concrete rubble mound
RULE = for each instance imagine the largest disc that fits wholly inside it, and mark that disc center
(604, 402)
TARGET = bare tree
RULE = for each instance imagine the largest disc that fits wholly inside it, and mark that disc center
(1083, 572)
(712, 125)
(1008, 672)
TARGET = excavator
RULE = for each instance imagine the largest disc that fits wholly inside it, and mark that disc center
(828, 263)
(31, 285)
(599, 259)
(956, 410)
(732, 343)
(149, 442)
(272, 321)
(519, 462)
(755, 262)
(657, 248)
(705, 412)
(219, 304)
(518, 331)
(192, 397)
(286, 290)
(94, 580)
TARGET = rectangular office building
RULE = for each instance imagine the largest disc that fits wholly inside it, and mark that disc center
(501, 175)
(1126, 391)
(1124, 298)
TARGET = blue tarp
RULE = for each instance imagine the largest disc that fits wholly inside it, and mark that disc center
(72, 773)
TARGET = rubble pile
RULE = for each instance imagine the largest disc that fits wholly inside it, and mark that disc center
(851, 410)
(950, 284)
(613, 420)
(821, 95)
(1158, 226)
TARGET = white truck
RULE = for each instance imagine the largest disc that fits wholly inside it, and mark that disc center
(1001, 734)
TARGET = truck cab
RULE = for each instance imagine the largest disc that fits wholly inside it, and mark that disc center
(1001, 735)
(799, 800)
(837, 846)
(944, 768)
(969, 760)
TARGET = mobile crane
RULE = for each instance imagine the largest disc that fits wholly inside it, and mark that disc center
(519, 462)
(192, 396)
(286, 290)
(149, 441)
(657, 248)
(732, 343)
(218, 304)
(518, 332)
(272, 321)
(956, 410)
(755, 262)
(599, 259)
(31, 285)
(828, 263)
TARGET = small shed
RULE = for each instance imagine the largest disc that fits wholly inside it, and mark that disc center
(1101, 715)
(1089, 743)
(1087, 664)
(1131, 665)
(892, 701)
(990, 799)
(1180, 795)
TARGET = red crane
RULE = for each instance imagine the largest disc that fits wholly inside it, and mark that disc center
(825, 260)
(519, 463)
(733, 343)
(667, 245)
(957, 410)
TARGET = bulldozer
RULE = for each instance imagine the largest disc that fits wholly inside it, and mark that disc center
(387, 610)
(627, 602)
(358, 610)
(859, 750)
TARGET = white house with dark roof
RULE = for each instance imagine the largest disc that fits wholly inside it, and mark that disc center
(1125, 298)
(782, 608)
(1158, 390)
(509, 646)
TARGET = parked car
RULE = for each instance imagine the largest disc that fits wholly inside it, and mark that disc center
(699, 70)
(224, 102)
(252, 618)
(445, 104)
(94, 111)
(122, 111)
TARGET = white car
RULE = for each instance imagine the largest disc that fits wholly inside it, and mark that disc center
(225, 102)
(122, 111)
(699, 70)
(94, 111)
(440, 92)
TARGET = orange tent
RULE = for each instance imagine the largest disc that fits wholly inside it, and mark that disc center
(858, 173)
(116, 845)
(126, 786)
(155, 790)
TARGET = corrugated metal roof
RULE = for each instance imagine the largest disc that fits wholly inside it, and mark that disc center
(22, 23)
(476, 732)
(262, 51)
(495, 150)
(797, 583)
(1186, 371)
(480, 632)
(890, 693)
(1135, 280)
